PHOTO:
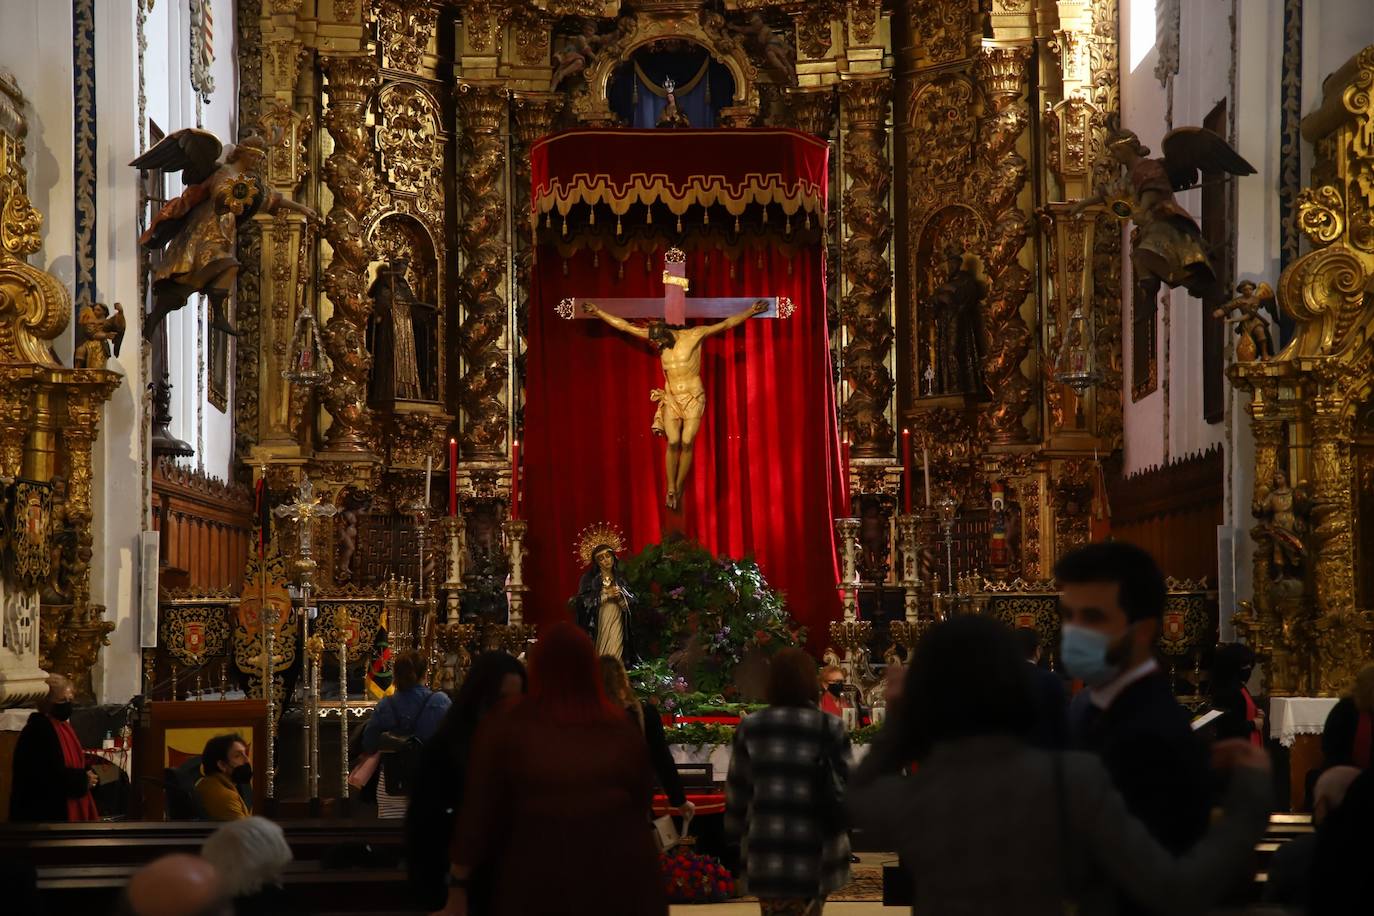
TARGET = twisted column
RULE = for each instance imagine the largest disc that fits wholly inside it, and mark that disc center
(864, 309)
(481, 335)
(349, 175)
(1003, 70)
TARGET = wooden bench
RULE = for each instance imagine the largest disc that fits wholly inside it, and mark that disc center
(139, 842)
(96, 888)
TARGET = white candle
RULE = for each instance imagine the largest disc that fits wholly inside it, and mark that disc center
(925, 462)
(429, 478)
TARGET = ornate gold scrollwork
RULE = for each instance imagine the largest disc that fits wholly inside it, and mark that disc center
(1321, 214)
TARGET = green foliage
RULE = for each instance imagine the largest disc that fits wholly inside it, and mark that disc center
(864, 735)
(724, 606)
(696, 734)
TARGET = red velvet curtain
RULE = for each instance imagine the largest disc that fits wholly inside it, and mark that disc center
(766, 477)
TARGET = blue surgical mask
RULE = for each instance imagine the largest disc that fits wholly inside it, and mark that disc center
(1083, 653)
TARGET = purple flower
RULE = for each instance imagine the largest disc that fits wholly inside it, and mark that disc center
(677, 592)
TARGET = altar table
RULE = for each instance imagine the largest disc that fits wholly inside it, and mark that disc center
(1297, 724)
(718, 755)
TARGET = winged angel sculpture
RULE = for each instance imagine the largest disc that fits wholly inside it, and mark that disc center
(198, 230)
(1166, 244)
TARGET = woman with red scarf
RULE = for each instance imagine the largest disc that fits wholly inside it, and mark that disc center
(557, 800)
(51, 780)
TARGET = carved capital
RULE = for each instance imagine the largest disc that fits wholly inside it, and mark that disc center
(811, 109)
(482, 106)
(1003, 69)
(535, 114)
(866, 99)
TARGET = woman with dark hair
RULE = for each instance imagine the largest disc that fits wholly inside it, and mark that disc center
(560, 784)
(603, 601)
(645, 715)
(437, 793)
(1241, 717)
(788, 768)
(989, 824)
(412, 711)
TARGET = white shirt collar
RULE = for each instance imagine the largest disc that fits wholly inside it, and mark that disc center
(1104, 696)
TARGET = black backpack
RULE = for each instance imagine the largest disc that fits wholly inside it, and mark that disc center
(401, 754)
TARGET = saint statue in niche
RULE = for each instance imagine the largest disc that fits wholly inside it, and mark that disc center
(603, 600)
(1280, 510)
(403, 337)
(956, 306)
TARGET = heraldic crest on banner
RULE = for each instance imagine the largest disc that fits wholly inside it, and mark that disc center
(28, 532)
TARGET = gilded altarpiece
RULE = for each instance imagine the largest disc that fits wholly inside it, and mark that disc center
(405, 125)
(1309, 406)
(1002, 112)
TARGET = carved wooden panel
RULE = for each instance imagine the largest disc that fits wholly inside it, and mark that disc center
(205, 528)
(1173, 512)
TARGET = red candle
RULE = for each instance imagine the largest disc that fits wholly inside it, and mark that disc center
(453, 477)
(515, 479)
(906, 469)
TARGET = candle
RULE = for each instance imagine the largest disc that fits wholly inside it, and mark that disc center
(925, 460)
(515, 479)
(453, 477)
(906, 469)
(429, 478)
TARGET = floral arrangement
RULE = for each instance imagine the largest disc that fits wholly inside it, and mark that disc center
(699, 734)
(690, 877)
(687, 594)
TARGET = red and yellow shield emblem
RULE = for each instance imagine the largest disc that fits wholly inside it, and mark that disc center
(1173, 625)
(195, 638)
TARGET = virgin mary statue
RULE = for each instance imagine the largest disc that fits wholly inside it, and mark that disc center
(603, 600)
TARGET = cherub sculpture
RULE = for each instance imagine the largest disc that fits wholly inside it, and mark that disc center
(762, 42)
(198, 230)
(98, 329)
(1166, 245)
(1252, 331)
(578, 52)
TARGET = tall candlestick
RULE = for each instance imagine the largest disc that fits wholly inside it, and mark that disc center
(515, 479)
(429, 478)
(453, 477)
(906, 469)
(925, 461)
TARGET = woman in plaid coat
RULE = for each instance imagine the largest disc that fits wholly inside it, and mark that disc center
(789, 765)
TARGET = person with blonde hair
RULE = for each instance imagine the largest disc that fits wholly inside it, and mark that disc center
(51, 780)
(250, 856)
(645, 715)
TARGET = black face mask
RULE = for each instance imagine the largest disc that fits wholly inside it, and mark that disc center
(836, 689)
(242, 774)
(62, 711)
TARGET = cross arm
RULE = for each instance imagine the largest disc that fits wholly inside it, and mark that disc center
(620, 324)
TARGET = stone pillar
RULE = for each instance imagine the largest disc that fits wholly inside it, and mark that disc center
(865, 308)
(482, 338)
(349, 174)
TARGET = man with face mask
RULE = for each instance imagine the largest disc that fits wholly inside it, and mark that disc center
(225, 765)
(51, 780)
(1111, 604)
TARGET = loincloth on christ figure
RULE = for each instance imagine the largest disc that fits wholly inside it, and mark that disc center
(672, 405)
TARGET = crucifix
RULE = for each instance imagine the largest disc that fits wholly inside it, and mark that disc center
(682, 399)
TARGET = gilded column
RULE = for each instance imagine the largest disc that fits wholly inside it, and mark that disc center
(865, 308)
(1336, 638)
(349, 175)
(1003, 71)
(482, 339)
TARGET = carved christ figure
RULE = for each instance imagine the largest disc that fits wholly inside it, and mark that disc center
(682, 399)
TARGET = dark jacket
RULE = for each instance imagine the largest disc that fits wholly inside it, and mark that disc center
(42, 780)
(436, 795)
(1051, 707)
(1161, 768)
(665, 767)
(1342, 883)
(988, 826)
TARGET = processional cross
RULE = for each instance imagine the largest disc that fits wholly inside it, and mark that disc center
(682, 400)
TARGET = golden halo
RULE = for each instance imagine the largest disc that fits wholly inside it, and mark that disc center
(595, 535)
